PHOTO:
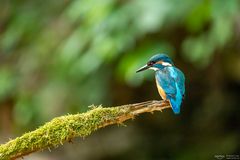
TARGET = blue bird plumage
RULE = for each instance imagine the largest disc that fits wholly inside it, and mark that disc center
(169, 79)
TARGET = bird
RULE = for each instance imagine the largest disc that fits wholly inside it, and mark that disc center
(170, 80)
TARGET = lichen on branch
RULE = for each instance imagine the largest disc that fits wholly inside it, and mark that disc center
(65, 128)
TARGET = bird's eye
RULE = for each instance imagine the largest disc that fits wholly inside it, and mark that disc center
(150, 63)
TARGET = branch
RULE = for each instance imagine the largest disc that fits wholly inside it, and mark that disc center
(65, 128)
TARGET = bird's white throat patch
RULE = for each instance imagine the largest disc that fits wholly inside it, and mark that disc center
(154, 68)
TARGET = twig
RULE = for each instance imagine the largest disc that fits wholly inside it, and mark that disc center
(65, 128)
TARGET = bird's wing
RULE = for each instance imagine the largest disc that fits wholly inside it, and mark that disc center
(172, 80)
(179, 79)
(167, 82)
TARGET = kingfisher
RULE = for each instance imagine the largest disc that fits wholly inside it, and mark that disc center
(170, 80)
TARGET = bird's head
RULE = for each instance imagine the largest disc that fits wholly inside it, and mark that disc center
(157, 62)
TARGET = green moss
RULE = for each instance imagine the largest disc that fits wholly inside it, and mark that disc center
(59, 130)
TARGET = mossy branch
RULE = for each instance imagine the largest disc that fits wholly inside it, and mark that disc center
(65, 128)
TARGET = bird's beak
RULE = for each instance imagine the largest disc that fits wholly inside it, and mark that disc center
(143, 68)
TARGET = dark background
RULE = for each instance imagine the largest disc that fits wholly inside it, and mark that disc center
(59, 57)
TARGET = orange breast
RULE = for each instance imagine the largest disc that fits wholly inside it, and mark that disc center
(161, 91)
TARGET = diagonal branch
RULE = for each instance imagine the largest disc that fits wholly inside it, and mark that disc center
(64, 128)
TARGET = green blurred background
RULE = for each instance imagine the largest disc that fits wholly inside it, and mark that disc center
(58, 57)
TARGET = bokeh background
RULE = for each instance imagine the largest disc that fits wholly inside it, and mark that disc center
(59, 57)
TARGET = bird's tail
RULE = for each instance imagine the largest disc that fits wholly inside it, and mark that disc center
(176, 102)
(175, 105)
